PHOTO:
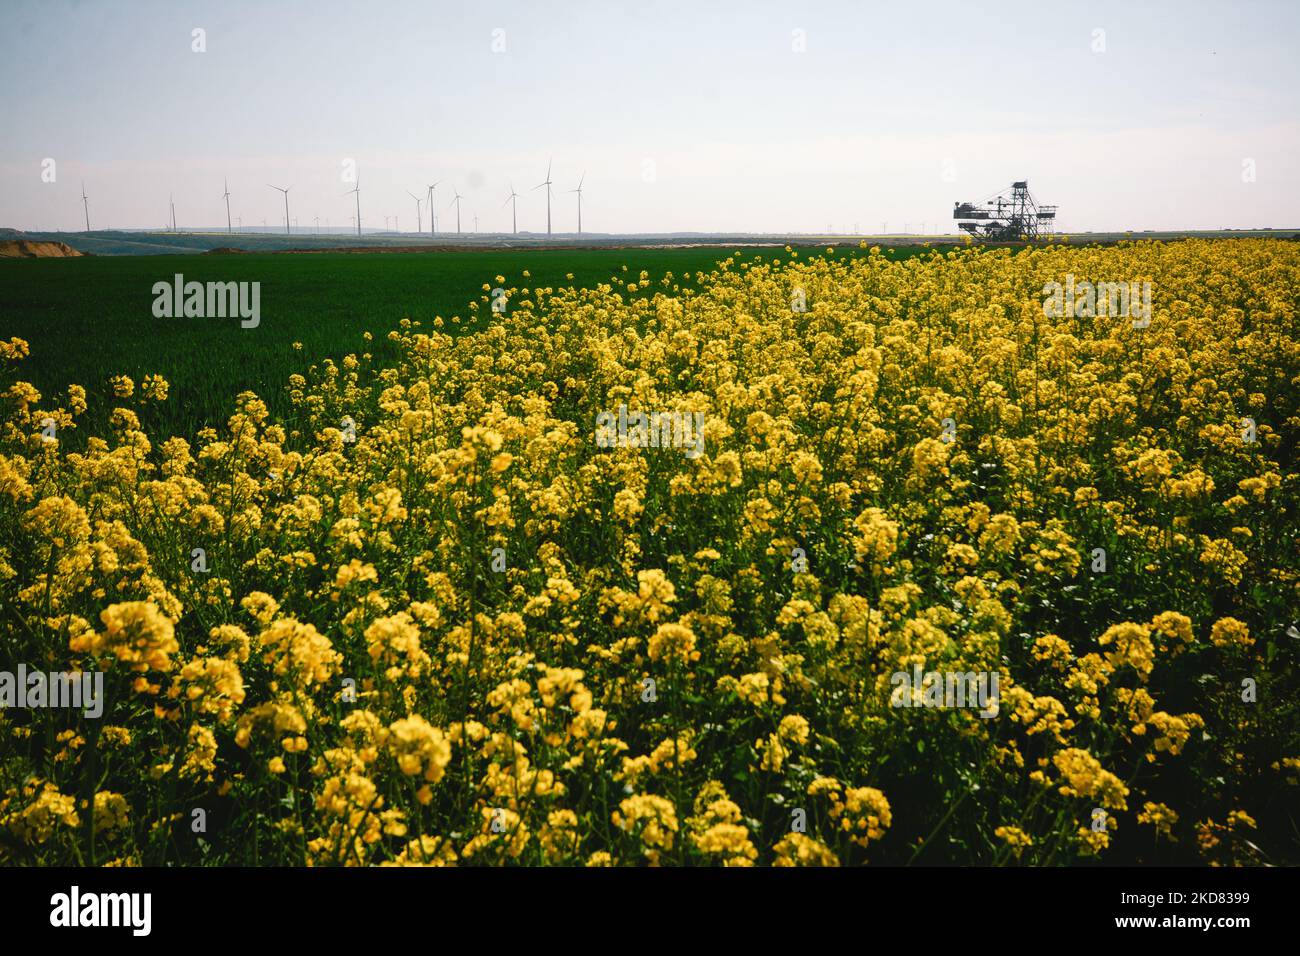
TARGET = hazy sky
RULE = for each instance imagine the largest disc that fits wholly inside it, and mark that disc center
(700, 116)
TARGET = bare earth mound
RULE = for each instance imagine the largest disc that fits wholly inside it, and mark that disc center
(25, 249)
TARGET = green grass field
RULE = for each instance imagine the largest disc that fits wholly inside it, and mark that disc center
(87, 319)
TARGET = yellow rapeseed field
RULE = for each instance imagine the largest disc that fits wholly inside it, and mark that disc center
(428, 618)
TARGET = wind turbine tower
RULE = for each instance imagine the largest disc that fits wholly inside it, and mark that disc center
(433, 209)
(547, 183)
(579, 192)
(226, 196)
(456, 202)
(284, 190)
(85, 204)
(356, 191)
(418, 201)
(513, 201)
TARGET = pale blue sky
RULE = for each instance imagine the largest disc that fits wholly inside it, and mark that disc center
(743, 132)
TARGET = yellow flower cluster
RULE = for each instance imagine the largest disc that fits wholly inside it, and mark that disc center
(426, 619)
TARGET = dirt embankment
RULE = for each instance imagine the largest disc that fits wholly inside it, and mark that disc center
(26, 249)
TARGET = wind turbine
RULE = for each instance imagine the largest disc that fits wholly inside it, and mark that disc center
(456, 202)
(171, 202)
(433, 218)
(85, 204)
(317, 218)
(356, 190)
(418, 200)
(476, 225)
(285, 190)
(547, 183)
(226, 196)
(579, 192)
(514, 212)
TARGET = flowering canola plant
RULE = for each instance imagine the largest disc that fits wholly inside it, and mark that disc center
(427, 619)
